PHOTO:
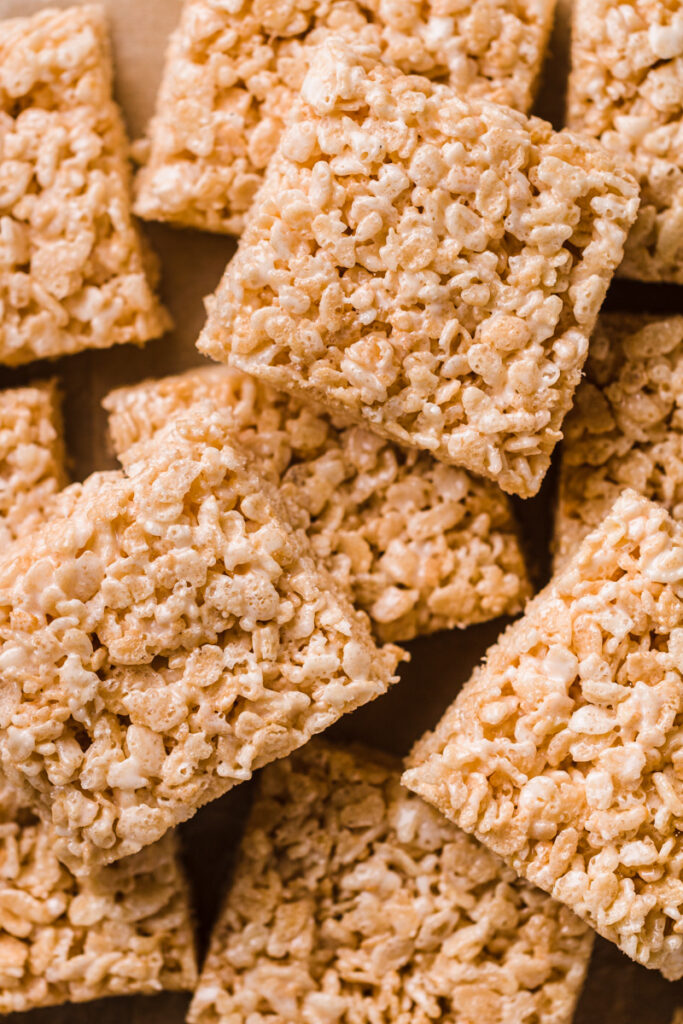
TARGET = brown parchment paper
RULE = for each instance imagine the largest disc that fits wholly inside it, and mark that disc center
(617, 991)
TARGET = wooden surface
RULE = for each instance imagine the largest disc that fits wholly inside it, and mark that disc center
(617, 991)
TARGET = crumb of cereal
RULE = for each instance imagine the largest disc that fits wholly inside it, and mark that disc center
(354, 900)
(74, 273)
(126, 928)
(32, 457)
(169, 635)
(232, 72)
(626, 426)
(626, 89)
(430, 266)
(563, 752)
(421, 546)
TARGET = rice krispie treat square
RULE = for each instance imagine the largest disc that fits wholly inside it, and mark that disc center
(563, 752)
(233, 70)
(626, 427)
(355, 901)
(32, 457)
(626, 88)
(430, 266)
(73, 271)
(127, 928)
(420, 546)
(165, 637)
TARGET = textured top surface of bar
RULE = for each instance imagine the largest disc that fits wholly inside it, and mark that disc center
(125, 929)
(355, 901)
(73, 273)
(232, 71)
(32, 457)
(420, 545)
(166, 638)
(563, 752)
(626, 427)
(626, 88)
(430, 266)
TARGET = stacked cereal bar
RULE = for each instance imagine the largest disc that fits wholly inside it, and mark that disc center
(32, 458)
(626, 428)
(626, 88)
(353, 900)
(233, 70)
(564, 751)
(421, 546)
(73, 273)
(430, 266)
(165, 637)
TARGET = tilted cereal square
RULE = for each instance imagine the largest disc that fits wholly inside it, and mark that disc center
(626, 427)
(127, 928)
(431, 266)
(32, 457)
(563, 752)
(626, 88)
(165, 637)
(420, 546)
(232, 71)
(73, 270)
(353, 900)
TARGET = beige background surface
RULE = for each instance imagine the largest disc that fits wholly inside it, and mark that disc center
(617, 992)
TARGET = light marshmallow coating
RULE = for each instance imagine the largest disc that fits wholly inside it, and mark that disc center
(626, 426)
(420, 546)
(168, 636)
(626, 88)
(355, 901)
(233, 69)
(432, 267)
(32, 457)
(564, 752)
(73, 272)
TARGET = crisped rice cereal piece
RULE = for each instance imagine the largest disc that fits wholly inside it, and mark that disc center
(626, 427)
(429, 266)
(355, 901)
(563, 752)
(421, 546)
(168, 636)
(32, 457)
(626, 88)
(233, 70)
(73, 272)
(127, 928)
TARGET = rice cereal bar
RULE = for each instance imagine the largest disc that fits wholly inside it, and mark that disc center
(626, 88)
(563, 754)
(32, 457)
(73, 272)
(430, 266)
(626, 427)
(127, 928)
(168, 635)
(232, 72)
(420, 545)
(355, 901)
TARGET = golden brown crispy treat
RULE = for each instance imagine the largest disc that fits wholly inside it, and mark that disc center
(355, 901)
(32, 457)
(563, 753)
(127, 928)
(73, 273)
(421, 546)
(626, 427)
(232, 72)
(168, 636)
(430, 266)
(626, 88)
